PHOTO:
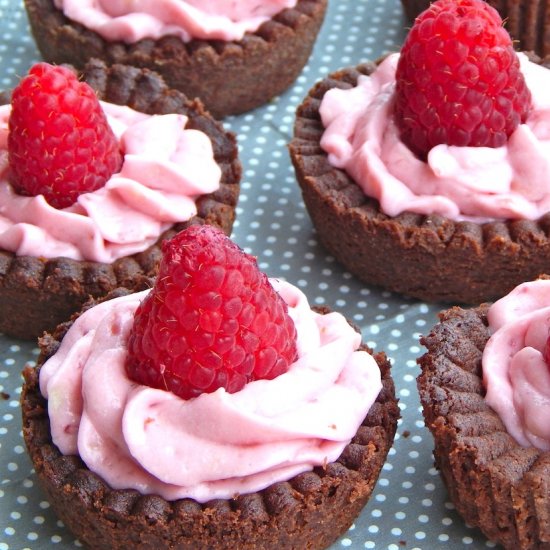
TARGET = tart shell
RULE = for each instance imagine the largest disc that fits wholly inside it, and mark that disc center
(429, 257)
(494, 483)
(229, 77)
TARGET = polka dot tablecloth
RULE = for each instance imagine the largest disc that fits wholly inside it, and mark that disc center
(409, 507)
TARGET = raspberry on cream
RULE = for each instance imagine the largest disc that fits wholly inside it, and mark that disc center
(60, 144)
(461, 183)
(166, 167)
(212, 320)
(133, 436)
(516, 376)
(119, 20)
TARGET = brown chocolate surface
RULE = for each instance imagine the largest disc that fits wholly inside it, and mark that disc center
(228, 77)
(36, 294)
(428, 257)
(495, 484)
(527, 21)
(309, 511)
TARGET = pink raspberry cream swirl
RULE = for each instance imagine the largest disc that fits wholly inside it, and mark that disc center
(216, 445)
(166, 168)
(120, 20)
(516, 376)
(461, 183)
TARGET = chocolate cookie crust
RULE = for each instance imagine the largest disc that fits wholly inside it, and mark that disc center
(429, 257)
(495, 484)
(36, 294)
(527, 21)
(309, 511)
(228, 77)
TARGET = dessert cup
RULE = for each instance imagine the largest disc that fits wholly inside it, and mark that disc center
(495, 483)
(429, 257)
(228, 77)
(310, 510)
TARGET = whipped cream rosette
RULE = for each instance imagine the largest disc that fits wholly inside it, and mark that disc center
(166, 168)
(187, 19)
(226, 444)
(515, 369)
(459, 182)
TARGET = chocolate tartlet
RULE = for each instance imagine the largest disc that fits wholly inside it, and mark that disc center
(309, 511)
(36, 294)
(228, 77)
(527, 21)
(429, 257)
(495, 484)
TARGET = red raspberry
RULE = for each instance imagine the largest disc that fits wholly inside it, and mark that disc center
(458, 80)
(60, 144)
(212, 320)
